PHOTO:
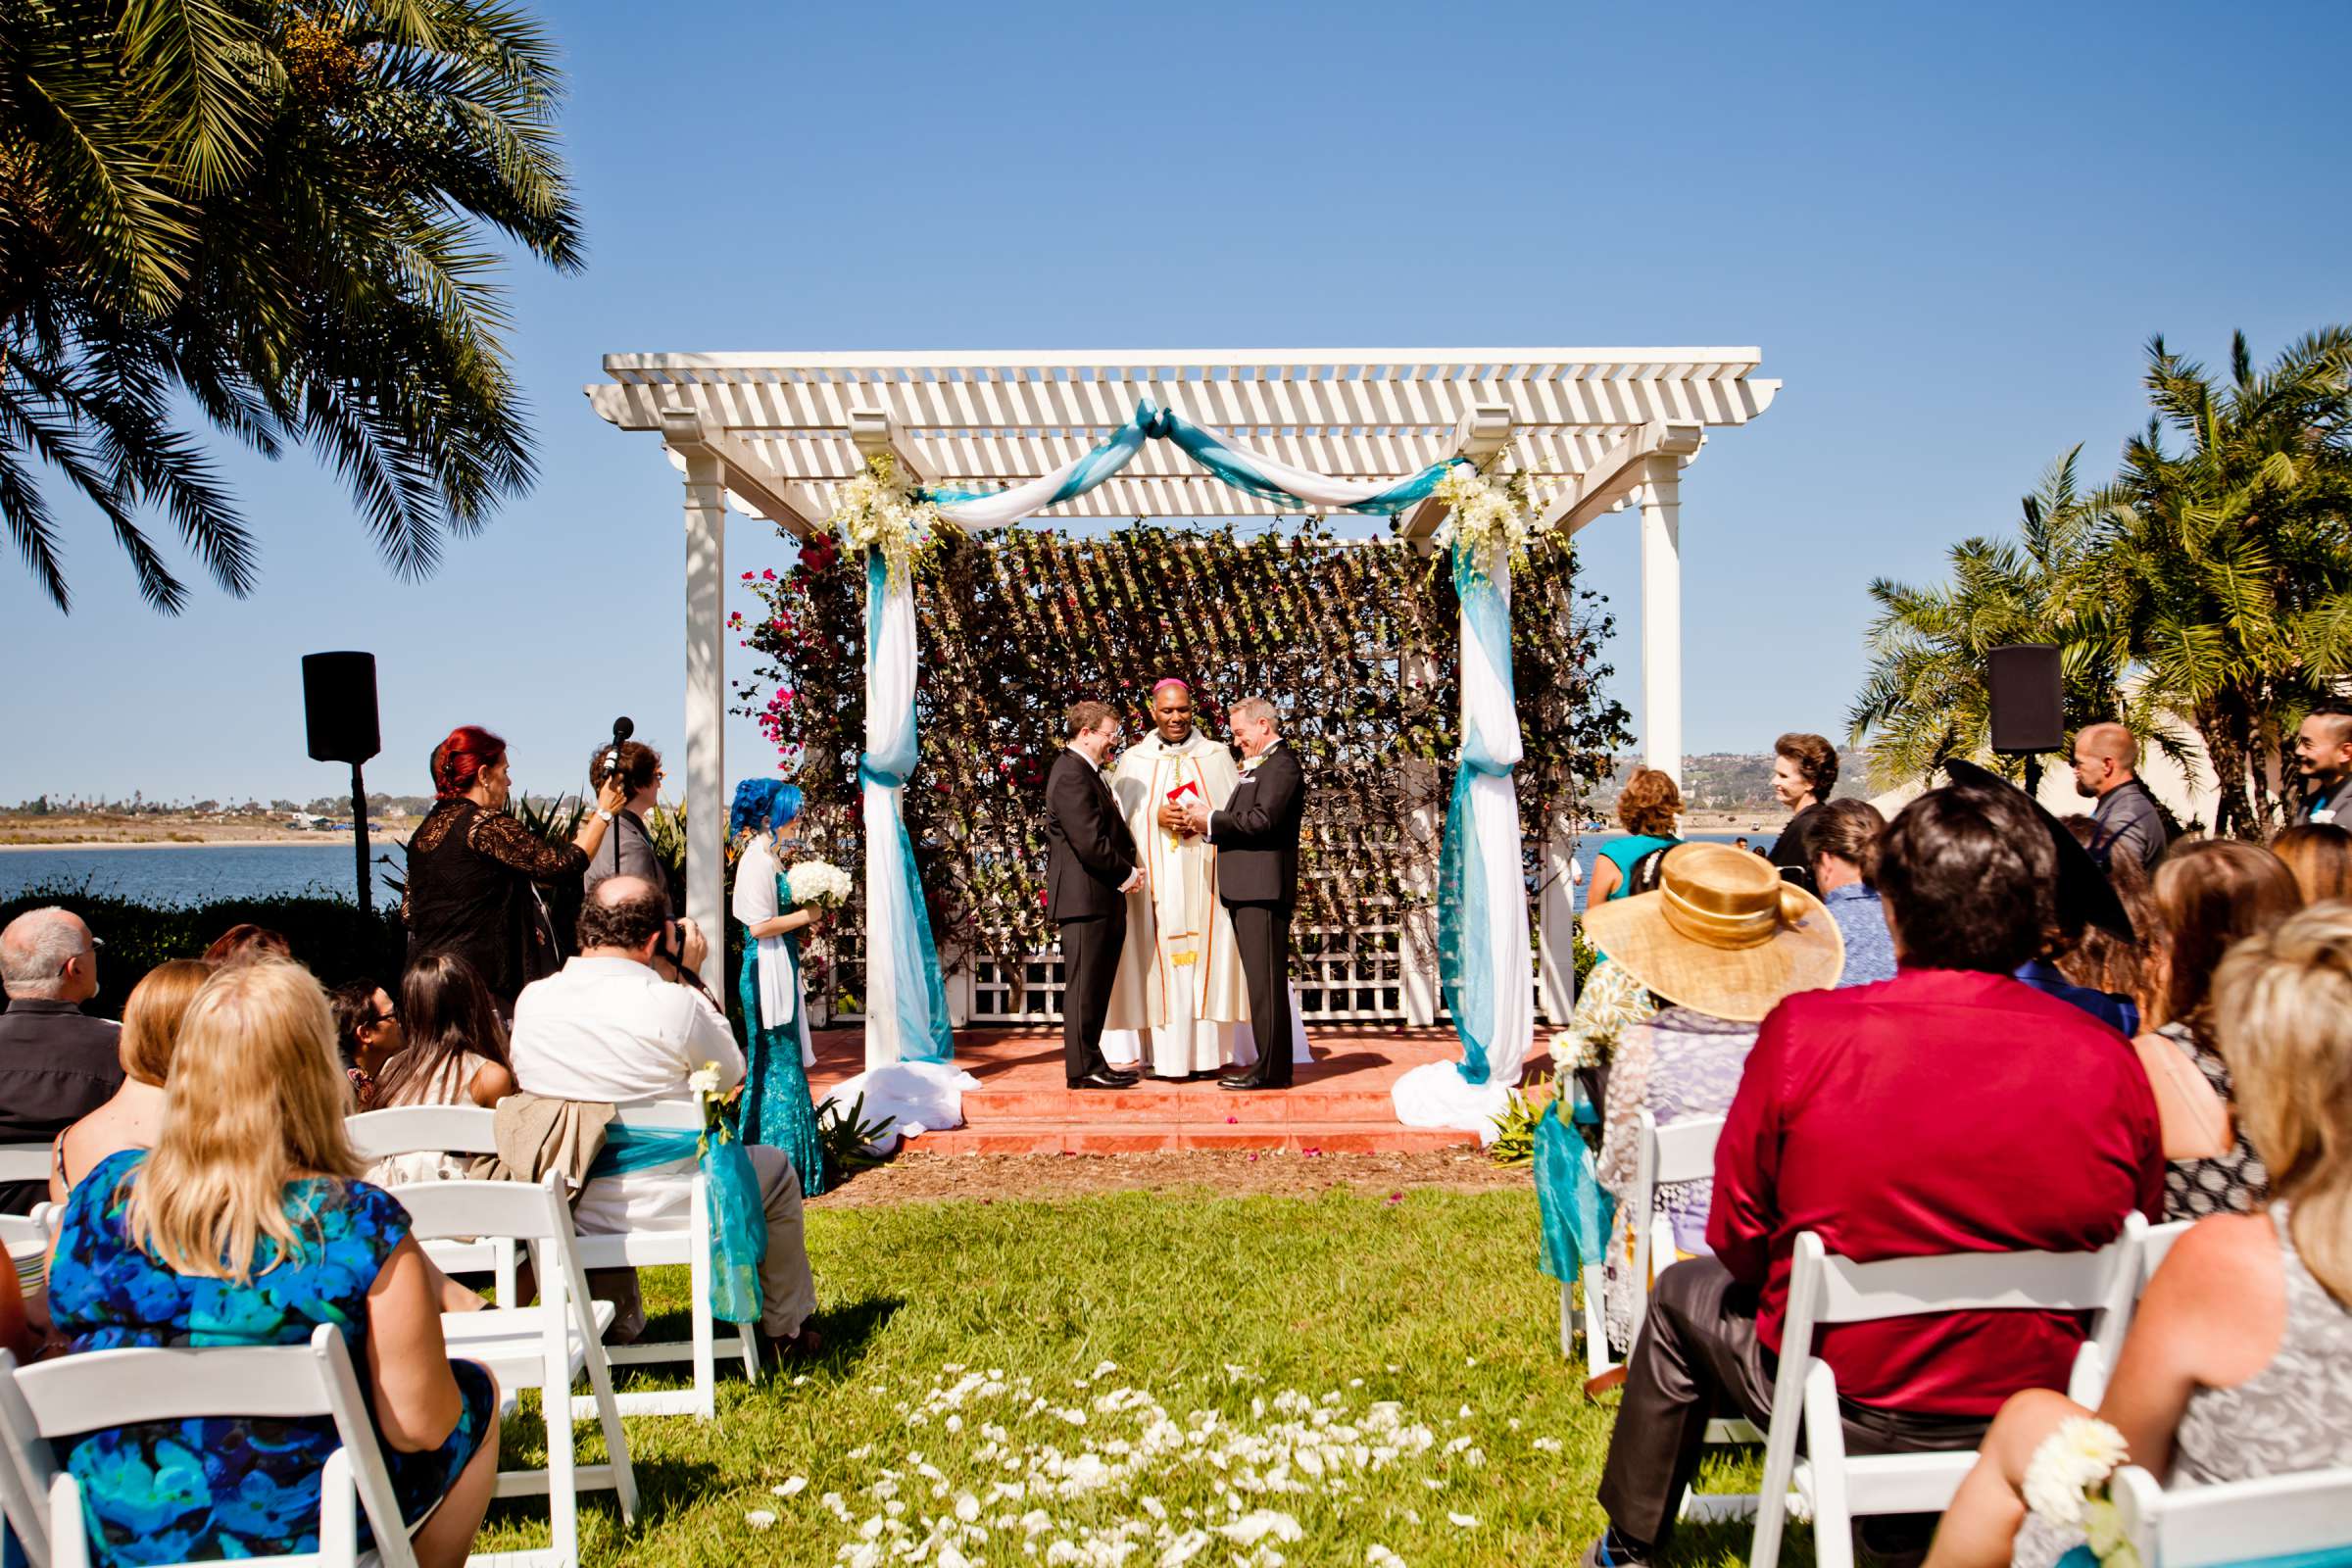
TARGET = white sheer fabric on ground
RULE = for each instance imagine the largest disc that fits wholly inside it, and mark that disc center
(918, 1097)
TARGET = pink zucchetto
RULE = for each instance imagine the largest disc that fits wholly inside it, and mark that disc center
(1182, 686)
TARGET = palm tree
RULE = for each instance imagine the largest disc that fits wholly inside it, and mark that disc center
(2223, 570)
(1926, 700)
(272, 210)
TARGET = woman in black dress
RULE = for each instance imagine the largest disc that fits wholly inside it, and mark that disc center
(474, 870)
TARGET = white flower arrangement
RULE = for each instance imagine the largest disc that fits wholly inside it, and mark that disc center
(875, 511)
(1487, 519)
(703, 1080)
(818, 882)
(2066, 1483)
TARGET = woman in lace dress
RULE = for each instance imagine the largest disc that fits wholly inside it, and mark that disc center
(775, 1107)
(2240, 1360)
(474, 872)
(2208, 897)
(1719, 973)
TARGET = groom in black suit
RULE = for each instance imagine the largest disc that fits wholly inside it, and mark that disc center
(1090, 864)
(1257, 839)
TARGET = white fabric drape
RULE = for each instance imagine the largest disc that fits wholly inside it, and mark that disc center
(889, 678)
(755, 875)
(1494, 1009)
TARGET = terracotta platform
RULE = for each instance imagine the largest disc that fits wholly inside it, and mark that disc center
(1339, 1104)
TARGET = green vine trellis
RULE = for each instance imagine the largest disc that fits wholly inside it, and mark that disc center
(1353, 640)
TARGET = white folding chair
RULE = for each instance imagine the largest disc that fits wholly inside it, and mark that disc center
(2094, 1362)
(442, 1130)
(76, 1393)
(543, 1347)
(1683, 1151)
(23, 1163)
(1824, 1290)
(2234, 1522)
(690, 1246)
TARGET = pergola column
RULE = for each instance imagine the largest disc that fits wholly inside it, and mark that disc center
(1662, 615)
(706, 706)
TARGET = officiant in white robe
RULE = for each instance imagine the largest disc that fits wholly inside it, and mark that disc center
(1180, 990)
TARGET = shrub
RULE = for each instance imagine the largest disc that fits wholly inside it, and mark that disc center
(335, 937)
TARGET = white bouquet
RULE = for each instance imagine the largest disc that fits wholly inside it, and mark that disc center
(819, 883)
(2066, 1483)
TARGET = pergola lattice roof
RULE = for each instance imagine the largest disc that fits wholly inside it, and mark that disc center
(1578, 422)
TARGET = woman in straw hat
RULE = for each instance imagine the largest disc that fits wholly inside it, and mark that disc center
(1720, 942)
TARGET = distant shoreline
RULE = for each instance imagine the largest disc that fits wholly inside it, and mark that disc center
(288, 840)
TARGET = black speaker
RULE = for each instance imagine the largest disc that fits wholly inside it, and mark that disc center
(338, 698)
(2028, 701)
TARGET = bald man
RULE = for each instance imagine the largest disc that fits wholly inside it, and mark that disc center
(2107, 771)
(2324, 761)
(57, 1063)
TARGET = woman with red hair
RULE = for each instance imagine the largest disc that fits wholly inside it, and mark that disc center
(474, 869)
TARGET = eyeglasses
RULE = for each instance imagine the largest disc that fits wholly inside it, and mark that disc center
(388, 1015)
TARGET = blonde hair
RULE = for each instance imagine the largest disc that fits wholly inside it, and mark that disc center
(256, 1098)
(150, 1019)
(2283, 1016)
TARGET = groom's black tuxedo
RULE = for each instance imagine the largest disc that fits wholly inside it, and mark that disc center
(1256, 840)
(1089, 852)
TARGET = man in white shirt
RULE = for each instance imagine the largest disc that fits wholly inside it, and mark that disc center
(610, 1028)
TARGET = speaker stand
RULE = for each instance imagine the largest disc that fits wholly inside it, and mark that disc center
(358, 836)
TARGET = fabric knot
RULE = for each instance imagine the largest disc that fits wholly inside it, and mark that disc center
(867, 773)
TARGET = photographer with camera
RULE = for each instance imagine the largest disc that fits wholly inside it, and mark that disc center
(475, 870)
(628, 850)
(621, 1023)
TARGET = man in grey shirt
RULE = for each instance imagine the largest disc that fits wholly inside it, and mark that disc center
(2107, 771)
(628, 850)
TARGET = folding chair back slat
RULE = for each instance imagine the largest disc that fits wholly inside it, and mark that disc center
(23, 1163)
(2236, 1522)
(423, 1130)
(445, 1211)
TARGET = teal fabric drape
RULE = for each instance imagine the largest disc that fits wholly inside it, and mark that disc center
(1467, 961)
(738, 1223)
(775, 1107)
(1576, 1212)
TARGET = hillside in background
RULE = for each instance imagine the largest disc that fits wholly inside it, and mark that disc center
(1724, 781)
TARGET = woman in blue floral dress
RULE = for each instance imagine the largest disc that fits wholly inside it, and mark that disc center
(246, 1226)
(775, 1107)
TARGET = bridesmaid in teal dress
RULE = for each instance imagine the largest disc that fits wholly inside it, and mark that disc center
(775, 1106)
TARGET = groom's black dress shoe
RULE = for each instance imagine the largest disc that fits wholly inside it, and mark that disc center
(1103, 1080)
(1243, 1081)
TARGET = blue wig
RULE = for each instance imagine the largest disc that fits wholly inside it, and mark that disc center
(763, 803)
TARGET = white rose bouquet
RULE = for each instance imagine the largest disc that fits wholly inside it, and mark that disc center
(2066, 1484)
(818, 883)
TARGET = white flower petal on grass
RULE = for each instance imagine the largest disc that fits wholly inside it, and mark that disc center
(1154, 1507)
(1377, 1556)
(1183, 1548)
(1462, 1521)
(1256, 1525)
(759, 1518)
(967, 1506)
(792, 1487)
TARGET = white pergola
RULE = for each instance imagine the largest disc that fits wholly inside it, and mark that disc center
(1594, 431)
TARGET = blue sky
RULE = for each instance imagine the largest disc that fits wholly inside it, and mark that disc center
(1949, 230)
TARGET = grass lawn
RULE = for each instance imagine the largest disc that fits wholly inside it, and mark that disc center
(1144, 1378)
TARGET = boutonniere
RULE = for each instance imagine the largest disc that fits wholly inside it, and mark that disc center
(1250, 763)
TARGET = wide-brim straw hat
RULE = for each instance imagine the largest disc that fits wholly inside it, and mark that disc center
(1722, 933)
